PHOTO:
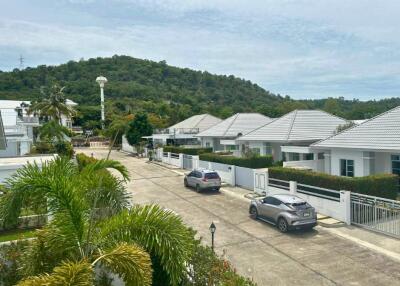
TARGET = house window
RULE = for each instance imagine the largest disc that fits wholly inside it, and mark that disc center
(207, 144)
(396, 164)
(255, 151)
(320, 156)
(347, 168)
(295, 157)
(309, 156)
(267, 148)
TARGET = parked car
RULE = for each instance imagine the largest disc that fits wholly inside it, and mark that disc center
(285, 211)
(203, 180)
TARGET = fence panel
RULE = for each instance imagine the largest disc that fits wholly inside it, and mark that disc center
(244, 177)
(187, 162)
(203, 164)
(175, 160)
(377, 214)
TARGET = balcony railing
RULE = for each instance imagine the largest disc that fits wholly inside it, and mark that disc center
(173, 131)
(28, 120)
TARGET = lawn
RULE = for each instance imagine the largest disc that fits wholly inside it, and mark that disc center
(16, 234)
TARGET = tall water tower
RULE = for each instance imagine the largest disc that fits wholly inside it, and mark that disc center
(101, 80)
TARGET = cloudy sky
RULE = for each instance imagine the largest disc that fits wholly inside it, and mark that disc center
(302, 48)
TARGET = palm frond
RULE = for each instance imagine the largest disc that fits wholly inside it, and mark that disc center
(103, 164)
(67, 274)
(159, 231)
(130, 262)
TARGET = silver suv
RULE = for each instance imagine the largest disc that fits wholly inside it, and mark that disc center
(285, 211)
(203, 180)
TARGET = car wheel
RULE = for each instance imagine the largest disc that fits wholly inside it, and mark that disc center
(253, 213)
(283, 225)
(185, 183)
(198, 188)
(217, 189)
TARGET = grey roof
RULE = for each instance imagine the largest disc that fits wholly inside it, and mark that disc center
(201, 122)
(298, 125)
(379, 133)
(3, 142)
(238, 123)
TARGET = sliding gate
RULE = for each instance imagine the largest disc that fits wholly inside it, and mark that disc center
(377, 214)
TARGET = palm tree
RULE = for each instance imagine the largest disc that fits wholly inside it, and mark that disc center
(53, 131)
(54, 105)
(93, 228)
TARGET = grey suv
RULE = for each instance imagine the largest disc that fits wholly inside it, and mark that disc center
(285, 211)
(203, 180)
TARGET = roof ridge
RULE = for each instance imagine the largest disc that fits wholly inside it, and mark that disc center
(198, 122)
(357, 125)
(291, 124)
(230, 125)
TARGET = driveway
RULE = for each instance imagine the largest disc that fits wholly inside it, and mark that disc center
(257, 249)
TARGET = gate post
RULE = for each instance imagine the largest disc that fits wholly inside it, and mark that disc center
(293, 187)
(181, 161)
(345, 206)
(169, 158)
(233, 175)
(195, 160)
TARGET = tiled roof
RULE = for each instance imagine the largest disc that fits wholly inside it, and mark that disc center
(298, 125)
(379, 133)
(239, 123)
(201, 121)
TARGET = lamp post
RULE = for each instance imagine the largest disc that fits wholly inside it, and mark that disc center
(101, 80)
(213, 228)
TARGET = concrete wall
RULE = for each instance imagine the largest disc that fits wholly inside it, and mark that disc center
(126, 147)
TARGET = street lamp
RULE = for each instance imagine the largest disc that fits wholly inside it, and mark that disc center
(101, 80)
(213, 228)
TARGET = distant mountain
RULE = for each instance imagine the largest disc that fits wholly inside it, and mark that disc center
(171, 93)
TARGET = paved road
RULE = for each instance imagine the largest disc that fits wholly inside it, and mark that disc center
(257, 249)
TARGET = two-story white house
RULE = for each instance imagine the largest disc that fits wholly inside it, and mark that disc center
(222, 136)
(289, 137)
(184, 132)
(18, 127)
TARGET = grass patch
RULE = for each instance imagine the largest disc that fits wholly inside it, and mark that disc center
(16, 234)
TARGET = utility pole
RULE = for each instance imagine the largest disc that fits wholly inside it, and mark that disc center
(21, 62)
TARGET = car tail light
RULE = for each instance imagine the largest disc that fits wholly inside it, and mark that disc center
(204, 180)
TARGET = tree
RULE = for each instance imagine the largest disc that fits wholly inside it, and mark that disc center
(92, 226)
(52, 131)
(54, 105)
(138, 128)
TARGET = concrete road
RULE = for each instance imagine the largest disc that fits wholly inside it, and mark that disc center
(258, 250)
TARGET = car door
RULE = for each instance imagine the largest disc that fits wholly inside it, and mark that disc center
(263, 207)
(270, 208)
(190, 178)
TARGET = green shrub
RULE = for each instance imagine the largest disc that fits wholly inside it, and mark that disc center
(189, 151)
(62, 148)
(382, 185)
(252, 162)
(84, 160)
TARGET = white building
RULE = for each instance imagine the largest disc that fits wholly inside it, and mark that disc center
(289, 137)
(372, 147)
(66, 120)
(222, 135)
(184, 132)
(18, 127)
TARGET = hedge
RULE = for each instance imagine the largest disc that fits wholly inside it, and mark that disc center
(253, 162)
(189, 151)
(84, 160)
(381, 185)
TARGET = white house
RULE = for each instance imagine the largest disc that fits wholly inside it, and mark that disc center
(183, 133)
(66, 120)
(18, 127)
(372, 147)
(289, 137)
(222, 135)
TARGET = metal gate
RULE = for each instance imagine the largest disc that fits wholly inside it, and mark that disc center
(187, 162)
(377, 214)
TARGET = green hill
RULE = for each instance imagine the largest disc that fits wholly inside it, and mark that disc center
(170, 93)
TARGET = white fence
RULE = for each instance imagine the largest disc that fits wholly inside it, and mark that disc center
(244, 177)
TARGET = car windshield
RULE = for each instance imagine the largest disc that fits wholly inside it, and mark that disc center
(211, 176)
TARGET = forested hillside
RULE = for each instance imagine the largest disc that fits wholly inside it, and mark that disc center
(168, 93)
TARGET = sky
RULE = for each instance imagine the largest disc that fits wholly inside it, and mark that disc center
(301, 48)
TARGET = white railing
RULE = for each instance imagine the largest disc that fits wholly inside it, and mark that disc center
(377, 214)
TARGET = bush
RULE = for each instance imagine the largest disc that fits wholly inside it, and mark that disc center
(382, 185)
(84, 160)
(252, 162)
(62, 148)
(189, 151)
